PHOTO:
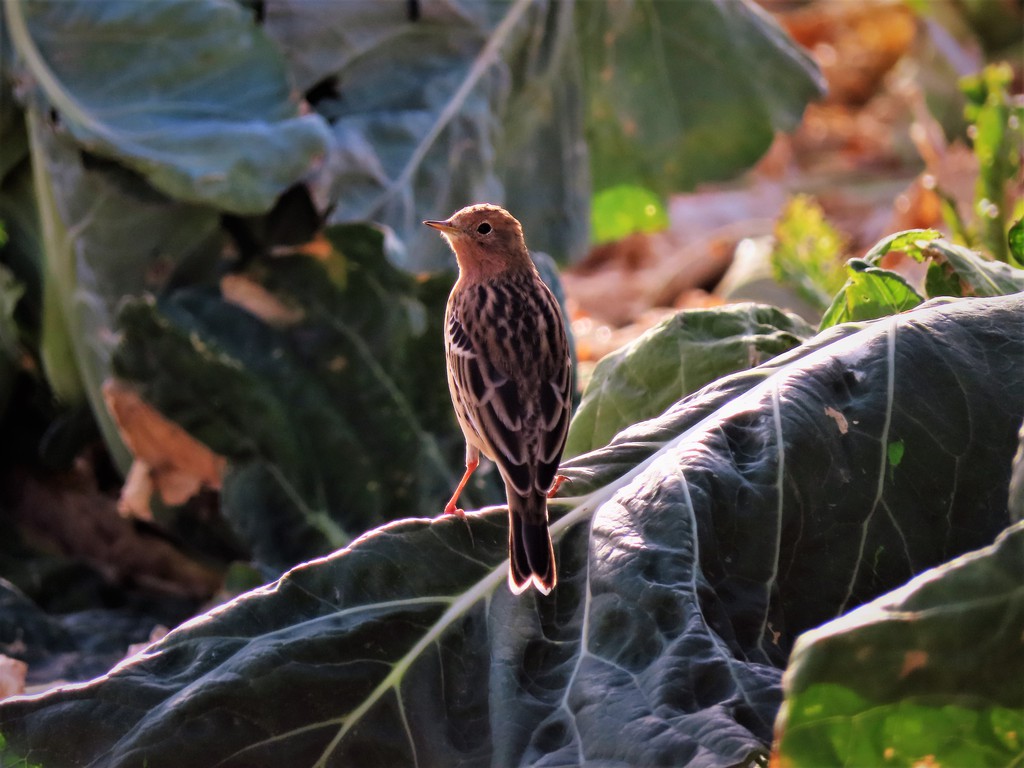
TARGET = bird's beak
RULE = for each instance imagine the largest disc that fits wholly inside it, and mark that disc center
(440, 226)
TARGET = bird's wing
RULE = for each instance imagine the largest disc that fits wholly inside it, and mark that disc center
(555, 393)
(488, 397)
(513, 379)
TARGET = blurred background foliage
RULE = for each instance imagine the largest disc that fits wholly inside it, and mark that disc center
(219, 313)
(245, 249)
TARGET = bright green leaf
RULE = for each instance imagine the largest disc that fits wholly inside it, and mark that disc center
(953, 270)
(1015, 239)
(895, 451)
(623, 210)
(910, 241)
(869, 293)
(996, 138)
(11, 760)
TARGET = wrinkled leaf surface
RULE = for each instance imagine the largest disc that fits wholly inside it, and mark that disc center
(458, 103)
(930, 673)
(694, 549)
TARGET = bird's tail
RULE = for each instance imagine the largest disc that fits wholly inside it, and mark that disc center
(530, 554)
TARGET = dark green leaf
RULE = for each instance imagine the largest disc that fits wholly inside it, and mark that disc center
(190, 95)
(14, 147)
(335, 419)
(673, 359)
(11, 291)
(23, 250)
(542, 158)
(942, 280)
(106, 235)
(983, 276)
(930, 673)
(683, 92)
(694, 550)
(1017, 480)
(473, 101)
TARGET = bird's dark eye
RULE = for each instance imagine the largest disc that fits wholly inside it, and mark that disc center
(484, 228)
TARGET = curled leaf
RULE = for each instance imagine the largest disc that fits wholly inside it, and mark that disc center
(172, 461)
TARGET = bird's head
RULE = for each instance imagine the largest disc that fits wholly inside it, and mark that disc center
(486, 239)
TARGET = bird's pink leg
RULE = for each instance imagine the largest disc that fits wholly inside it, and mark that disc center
(472, 462)
(559, 479)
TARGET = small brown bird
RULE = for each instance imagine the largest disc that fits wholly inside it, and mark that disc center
(510, 378)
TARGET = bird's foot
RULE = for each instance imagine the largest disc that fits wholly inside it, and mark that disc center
(451, 509)
(559, 479)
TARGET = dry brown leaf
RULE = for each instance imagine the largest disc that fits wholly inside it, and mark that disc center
(12, 676)
(855, 44)
(176, 464)
(246, 293)
(136, 492)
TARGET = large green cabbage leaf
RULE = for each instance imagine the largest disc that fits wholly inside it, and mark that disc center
(167, 135)
(692, 551)
(324, 415)
(463, 101)
(433, 106)
(930, 673)
(191, 95)
(684, 92)
(675, 358)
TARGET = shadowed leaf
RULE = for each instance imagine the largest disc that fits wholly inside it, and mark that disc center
(694, 549)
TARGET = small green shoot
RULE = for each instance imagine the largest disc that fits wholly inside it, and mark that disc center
(996, 136)
(808, 252)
